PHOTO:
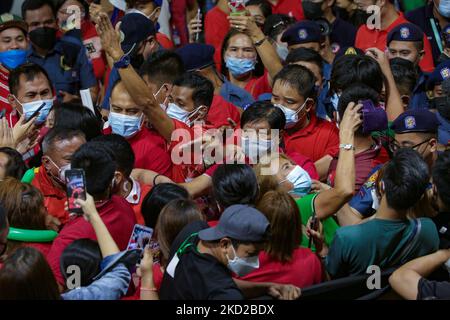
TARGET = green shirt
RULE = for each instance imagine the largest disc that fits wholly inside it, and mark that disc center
(378, 242)
(306, 207)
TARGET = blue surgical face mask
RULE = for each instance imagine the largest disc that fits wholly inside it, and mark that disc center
(256, 147)
(301, 181)
(282, 51)
(291, 115)
(13, 58)
(238, 66)
(124, 125)
(444, 8)
(175, 112)
(242, 266)
(30, 107)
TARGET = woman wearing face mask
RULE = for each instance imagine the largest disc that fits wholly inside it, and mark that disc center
(68, 25)
(280, 173)
(240, 50)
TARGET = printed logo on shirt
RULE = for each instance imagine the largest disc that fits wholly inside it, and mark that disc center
(410, 122)
(302, 34)
(445, 73)
(404, 33)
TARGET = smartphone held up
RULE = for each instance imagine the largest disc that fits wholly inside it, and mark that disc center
(76, 189)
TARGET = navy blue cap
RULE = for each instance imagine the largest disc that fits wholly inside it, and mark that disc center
(440, 73)
(405, 32)
(134, 29)
(238, 222)
(196, 56)
(302, 32)
(416, 120)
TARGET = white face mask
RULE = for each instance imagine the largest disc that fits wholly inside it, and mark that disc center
(242, 266)
(301, 181)
(282, 50)
(291, 115)
(256, 147)
(29, 108)
(175, 112)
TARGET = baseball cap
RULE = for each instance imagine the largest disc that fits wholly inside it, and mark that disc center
(416, 120)
(8, 20)
(135, 28)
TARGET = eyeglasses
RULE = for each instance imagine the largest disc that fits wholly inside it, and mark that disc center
(394, 145)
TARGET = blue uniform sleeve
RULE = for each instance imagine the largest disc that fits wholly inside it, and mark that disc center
(363, 200)
(113, 77)
(87, 76)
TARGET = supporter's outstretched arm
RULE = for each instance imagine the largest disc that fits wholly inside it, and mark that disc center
(394, 105)
(134, 84)
(330, 201)
(149, 177)
(107, 244)
(405, 279)
(258, 289)
(266, 51)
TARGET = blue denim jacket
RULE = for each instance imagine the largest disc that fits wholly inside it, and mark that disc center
(112, 286)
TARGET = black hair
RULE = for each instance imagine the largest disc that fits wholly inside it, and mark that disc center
(441, 177)
(276, 24)
(350, 69)
(265, 7)
(405, 75)
(203, 88)
(99, 165)
(58, 134)
(121, 148)
(157, 198)
(77, 117)
(235, 184)
(264, 110)
(405, 179)
(15, 167)
(86, 255)
(306, 55)
(29, 5)
(298, 77)
(30, 71)
(162, 67)
(355, 93)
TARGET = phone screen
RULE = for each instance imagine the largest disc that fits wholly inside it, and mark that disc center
(140, 238)
(76, 189)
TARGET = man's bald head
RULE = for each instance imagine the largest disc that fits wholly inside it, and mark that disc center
(122, 102)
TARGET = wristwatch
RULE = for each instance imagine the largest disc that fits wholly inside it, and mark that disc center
(346, 146)
(123, 62)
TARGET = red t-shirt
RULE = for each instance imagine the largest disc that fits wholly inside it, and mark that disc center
(4, 91)
(303, 271)
(118, 217)
(364, 163)
(216, 28)
(220, 111)
(258, 86)
(318, 139)
(54, 197)
(43, 247)
(164, 41)
(305, 163)
(366, 38)
(150, 151)
(292, 8)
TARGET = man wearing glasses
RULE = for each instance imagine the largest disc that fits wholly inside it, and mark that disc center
(415, 129)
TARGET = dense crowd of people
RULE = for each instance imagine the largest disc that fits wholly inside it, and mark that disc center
(225, 150)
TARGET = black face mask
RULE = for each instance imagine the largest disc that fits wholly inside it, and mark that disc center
(312, 10)
(360, 17)
(44, 38)
(442, 104)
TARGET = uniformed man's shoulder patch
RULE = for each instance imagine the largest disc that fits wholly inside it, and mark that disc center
(371, 181)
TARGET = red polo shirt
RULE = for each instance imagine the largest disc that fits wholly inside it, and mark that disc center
(364, 163)
(216, 28)
(258, 86)
(220, 111)
(318, 139)
(366, 38)
(4, 90)
(292, 8)
(118, 217)
(150, 151)
(54, 197)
